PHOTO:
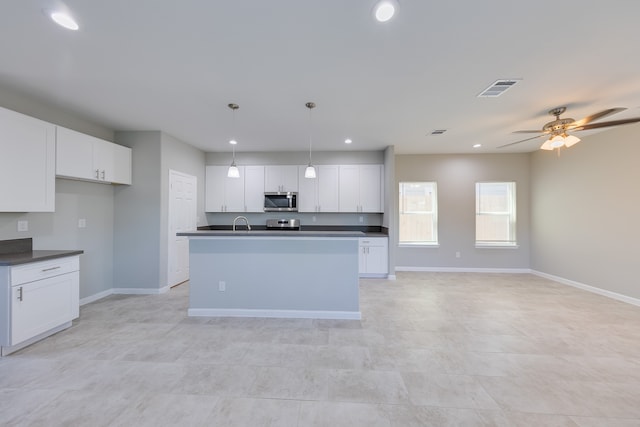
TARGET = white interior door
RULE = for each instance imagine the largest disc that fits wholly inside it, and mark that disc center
(182, 217)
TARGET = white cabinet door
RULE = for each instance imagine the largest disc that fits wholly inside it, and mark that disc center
(349, 188)
(307, 192)
(102, 159)
(223, 194)
(254, 188)
(27, 163)
(328, 188)
(121, 164)
(74, 155)
(361, 188)
(371, 188)
(373, 257)
(280, 178)
(39, 306)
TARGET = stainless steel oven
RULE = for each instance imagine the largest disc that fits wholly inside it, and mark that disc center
(281, 202)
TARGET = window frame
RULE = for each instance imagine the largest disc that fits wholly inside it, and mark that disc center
(511, 212)
(433, 213)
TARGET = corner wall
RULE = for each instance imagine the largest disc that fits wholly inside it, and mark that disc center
(585, 210)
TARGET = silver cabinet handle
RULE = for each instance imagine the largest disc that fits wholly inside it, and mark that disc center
(97, 173)
(20, 293)
(103, 174)
(49, 269)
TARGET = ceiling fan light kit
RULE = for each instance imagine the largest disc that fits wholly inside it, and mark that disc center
(558, 130)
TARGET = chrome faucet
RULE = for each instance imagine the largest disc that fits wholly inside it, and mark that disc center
(245, 220)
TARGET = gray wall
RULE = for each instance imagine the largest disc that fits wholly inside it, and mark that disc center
(456, 176)
(585, 210)
(59, 230)
(74, 200)
(298, 158)
(141, 219)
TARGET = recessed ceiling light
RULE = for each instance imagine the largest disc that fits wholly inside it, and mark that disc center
(348, 141)
(64, 20)
(233, 142)
(385, 9)
(477, 145)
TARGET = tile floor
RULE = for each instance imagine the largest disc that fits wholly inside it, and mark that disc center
(432, 349)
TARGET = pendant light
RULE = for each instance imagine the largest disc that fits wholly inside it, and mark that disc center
(233, 171)
(310, 171)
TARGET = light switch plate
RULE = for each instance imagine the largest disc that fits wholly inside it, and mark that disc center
(82, 223)
(23, 225)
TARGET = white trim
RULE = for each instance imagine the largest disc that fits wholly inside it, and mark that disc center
(465, 270)
(96, 297)
(289, 314)
(141, 291)
(588, 288)
(496, 246)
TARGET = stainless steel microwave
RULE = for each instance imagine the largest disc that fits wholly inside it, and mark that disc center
(281, 202)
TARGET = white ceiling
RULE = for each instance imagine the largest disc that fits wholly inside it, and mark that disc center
(175, 65)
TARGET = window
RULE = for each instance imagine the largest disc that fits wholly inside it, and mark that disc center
(495, 214)
(418, 213)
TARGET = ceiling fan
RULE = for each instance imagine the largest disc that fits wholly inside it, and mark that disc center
(559, 130)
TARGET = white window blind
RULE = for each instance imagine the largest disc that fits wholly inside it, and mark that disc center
(418, 213)
(495, 214)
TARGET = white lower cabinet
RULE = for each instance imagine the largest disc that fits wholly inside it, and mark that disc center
(374, 257)
(40, 298)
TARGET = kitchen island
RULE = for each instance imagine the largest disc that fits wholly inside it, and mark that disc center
(263, 273)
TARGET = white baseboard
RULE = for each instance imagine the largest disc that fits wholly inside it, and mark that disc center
(96, 297)
(593, 289)
(141, 291)
(465, 270)
(289, 314)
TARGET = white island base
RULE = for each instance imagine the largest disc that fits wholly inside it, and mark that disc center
(266, 275)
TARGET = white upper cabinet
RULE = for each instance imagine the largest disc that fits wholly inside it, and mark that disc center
(280, 178)
(361, 188)
(319, 194)
(27, 163)
(224, 194)
(81, 156)
(254, 188)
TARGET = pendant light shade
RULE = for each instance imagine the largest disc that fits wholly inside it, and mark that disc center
(233, 171)
(310, 171)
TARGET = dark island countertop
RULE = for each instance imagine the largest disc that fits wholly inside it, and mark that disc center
(270, 233)
(20, 251)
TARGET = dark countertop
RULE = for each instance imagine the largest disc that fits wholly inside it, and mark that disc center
(20, 251)
(365, 231)
(270, 233)
(34, 256)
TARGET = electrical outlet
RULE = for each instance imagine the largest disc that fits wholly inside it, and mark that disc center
(313, 218)
(361, 219)
(23, 225)
(222, 286)
(457, 254)
(82, 223)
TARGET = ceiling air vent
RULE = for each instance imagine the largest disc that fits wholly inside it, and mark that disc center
(438, 131)
(498, 88)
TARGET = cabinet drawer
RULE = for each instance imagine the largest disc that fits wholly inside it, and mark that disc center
(41, 270)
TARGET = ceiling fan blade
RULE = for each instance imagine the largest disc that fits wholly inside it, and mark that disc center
(528, 131)
(518, 142)
(596, 116)
(607, 124)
